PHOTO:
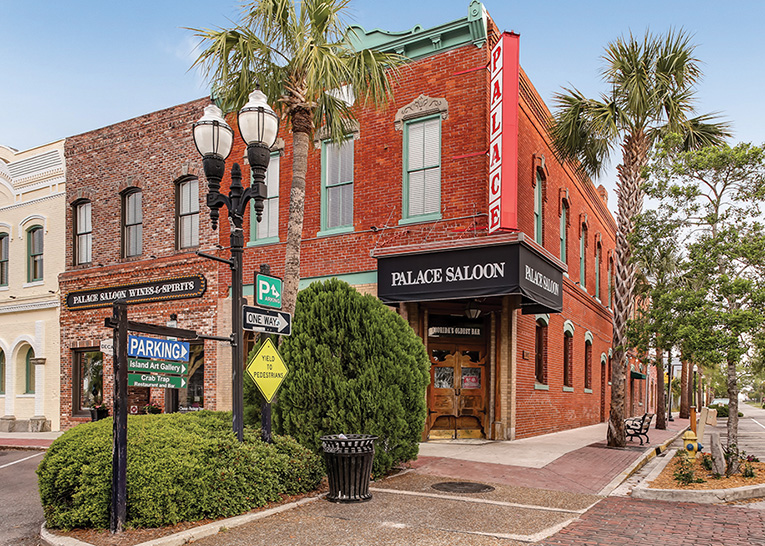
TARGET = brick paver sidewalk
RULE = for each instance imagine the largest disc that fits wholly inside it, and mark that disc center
(618, 521)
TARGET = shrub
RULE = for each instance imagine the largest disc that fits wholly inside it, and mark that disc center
(181, 467)
(684, 471)
(723, 410)
(355, 367)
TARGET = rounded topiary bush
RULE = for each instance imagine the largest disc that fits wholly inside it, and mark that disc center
(355, 367)
(181, 467)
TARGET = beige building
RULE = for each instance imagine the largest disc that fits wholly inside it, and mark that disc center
(32, 254)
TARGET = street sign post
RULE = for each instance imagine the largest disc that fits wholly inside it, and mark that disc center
(267, 321)
(157, 366)
(268, 291)
(267, 370)
(157, 380)
(153, 348)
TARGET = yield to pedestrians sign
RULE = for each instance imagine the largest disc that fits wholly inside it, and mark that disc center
(268, 290)
(159, 349)
(267, 369)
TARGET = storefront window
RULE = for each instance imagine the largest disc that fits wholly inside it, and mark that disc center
(89, 367)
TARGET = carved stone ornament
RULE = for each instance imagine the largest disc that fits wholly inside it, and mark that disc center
(420, 107)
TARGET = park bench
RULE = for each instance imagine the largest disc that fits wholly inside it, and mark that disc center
(637, 427)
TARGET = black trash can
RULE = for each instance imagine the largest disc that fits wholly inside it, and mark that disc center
(349, 466)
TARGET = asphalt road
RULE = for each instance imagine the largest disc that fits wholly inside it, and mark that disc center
(751, 430)
(20, 512)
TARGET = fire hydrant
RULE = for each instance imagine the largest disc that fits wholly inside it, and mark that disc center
(691, 444)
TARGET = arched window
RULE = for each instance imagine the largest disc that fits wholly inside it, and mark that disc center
(540, 368)
(187, 213)
(583, 258)
(563, 231)
(30, 372)
(587, 363)
(598, 251)
(35, 254)
(2, 372)
(132, 223)
(83, 232)
(4, 238)
(538, 219)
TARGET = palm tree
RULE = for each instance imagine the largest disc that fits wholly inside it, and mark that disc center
(297, 53)
(652, 86)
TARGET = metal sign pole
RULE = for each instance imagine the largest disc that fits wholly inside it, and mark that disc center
(119, 431)
(265, 408)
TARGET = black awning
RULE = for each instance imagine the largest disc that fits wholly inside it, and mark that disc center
(637, 375)
(474, 272)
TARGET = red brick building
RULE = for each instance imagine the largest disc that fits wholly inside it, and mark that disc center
(133, 224)
(516, 321)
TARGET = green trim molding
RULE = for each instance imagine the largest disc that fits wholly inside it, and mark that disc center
(354, 279)
(420, 42)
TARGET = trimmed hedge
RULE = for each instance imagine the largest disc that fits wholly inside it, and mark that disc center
(355, 367)
(181, 467)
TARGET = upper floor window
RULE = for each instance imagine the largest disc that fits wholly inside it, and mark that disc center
(187, 219)
(563, 231)
(583, 258)
(132, 223)
(4, 238)
(35, 254)
(538, 209)
(268, 227)
(422, 168)
(337, 185)
(83, 233)
(610, 275)
(598, 251)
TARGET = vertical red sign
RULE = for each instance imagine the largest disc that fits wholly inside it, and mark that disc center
(503, 134)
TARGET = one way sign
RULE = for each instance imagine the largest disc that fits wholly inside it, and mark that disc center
(265, 320)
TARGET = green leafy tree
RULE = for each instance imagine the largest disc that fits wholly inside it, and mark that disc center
(297, 52)
(651, 91)
(715, 193)
(355, 367)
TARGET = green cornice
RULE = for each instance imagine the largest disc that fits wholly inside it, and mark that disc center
(419, 42)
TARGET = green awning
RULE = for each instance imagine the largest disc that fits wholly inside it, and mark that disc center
(637, 375)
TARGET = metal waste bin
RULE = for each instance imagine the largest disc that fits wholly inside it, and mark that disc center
(349, 466)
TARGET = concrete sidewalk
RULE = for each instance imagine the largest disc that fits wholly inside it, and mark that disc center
(27, 440)
(539, 485)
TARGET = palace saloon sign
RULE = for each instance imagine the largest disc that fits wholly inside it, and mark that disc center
(492, 270)
(172, 288)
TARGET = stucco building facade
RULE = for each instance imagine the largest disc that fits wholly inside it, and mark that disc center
(32, 225)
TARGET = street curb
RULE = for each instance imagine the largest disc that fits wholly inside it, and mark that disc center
(187, 536)
(637, 465)
(707, 496)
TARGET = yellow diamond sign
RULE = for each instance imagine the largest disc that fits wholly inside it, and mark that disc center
(267, 369)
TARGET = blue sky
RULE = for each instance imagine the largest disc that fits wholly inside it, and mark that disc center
(70, 67)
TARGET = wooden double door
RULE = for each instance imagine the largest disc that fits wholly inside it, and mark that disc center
(458, 400)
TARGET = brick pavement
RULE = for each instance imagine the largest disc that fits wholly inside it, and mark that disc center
(617, 521)
(585, 470)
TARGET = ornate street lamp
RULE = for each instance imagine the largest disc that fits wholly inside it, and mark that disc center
(258, 126)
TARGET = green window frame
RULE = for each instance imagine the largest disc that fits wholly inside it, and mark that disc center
(610, 274)
(422, 170)
(267, 231)
(2, 372)
(337, 163)
(568, 358)
(187, 213)
(132, 223)
(583, 258)
(35, 248)
(538, 223)
(30, 372)
(563, 231)
(588, 364)
(83, 233)
(4, 239)
(598, 264)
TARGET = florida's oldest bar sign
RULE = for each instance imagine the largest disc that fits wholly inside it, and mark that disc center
(503, 134)
(171, 288)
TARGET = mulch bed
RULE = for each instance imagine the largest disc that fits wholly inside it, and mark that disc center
(666, 479)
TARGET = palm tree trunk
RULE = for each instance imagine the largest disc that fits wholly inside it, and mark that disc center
(630, 203)
(685, 399)
(661, 409)
(301, 130)
(732, 403)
